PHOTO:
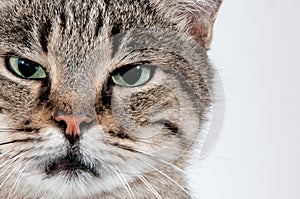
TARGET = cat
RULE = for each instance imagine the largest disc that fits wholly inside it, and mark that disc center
(102, 99)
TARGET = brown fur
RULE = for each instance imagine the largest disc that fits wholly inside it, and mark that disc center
(141, 137)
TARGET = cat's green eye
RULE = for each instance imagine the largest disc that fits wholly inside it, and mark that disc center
(132, 76)
(25, 68)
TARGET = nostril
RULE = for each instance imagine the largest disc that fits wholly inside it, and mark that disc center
(85, 125)
(62, 124)
(72, 125)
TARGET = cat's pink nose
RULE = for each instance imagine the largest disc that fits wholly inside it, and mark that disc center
(73, 124)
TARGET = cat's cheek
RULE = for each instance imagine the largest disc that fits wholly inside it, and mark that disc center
(19, 95)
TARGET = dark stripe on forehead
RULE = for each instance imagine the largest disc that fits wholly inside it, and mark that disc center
(62, 16)
(117, 28)
(44, 34)
(99, 24)
(63, 21)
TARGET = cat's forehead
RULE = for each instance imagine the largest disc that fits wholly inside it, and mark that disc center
(73, 25)
(79, 15)
(81, 10)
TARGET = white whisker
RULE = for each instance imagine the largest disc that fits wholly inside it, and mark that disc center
(4, 154)
(5, 165)
(154, 158)
(172, 165)
(125, 184)
(143, 179)
(15, 185)
(169, 178)
(8, 176)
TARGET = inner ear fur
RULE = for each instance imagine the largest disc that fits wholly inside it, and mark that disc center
(196, 17)
(201, 15)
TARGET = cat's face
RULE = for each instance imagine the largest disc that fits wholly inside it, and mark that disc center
(95, 95)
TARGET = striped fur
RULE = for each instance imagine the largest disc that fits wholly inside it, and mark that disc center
(141, 137)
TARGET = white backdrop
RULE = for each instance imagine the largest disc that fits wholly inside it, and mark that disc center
(256, 50)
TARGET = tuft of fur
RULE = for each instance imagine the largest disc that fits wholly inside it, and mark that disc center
(141, 137)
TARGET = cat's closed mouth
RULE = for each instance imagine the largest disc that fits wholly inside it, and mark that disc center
(70, 165)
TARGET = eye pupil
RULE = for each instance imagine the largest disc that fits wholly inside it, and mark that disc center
(27, 69)
(132, 75)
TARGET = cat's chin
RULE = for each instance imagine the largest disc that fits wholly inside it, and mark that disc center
(71, 174)
(71, 168)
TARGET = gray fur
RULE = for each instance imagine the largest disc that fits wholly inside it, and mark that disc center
(142, 137)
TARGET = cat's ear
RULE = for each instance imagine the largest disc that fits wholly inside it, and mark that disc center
(196, 17)
(200, 16)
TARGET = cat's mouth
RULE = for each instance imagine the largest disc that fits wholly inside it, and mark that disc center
(70, 166)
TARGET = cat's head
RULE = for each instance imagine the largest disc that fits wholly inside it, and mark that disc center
(96, 95)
